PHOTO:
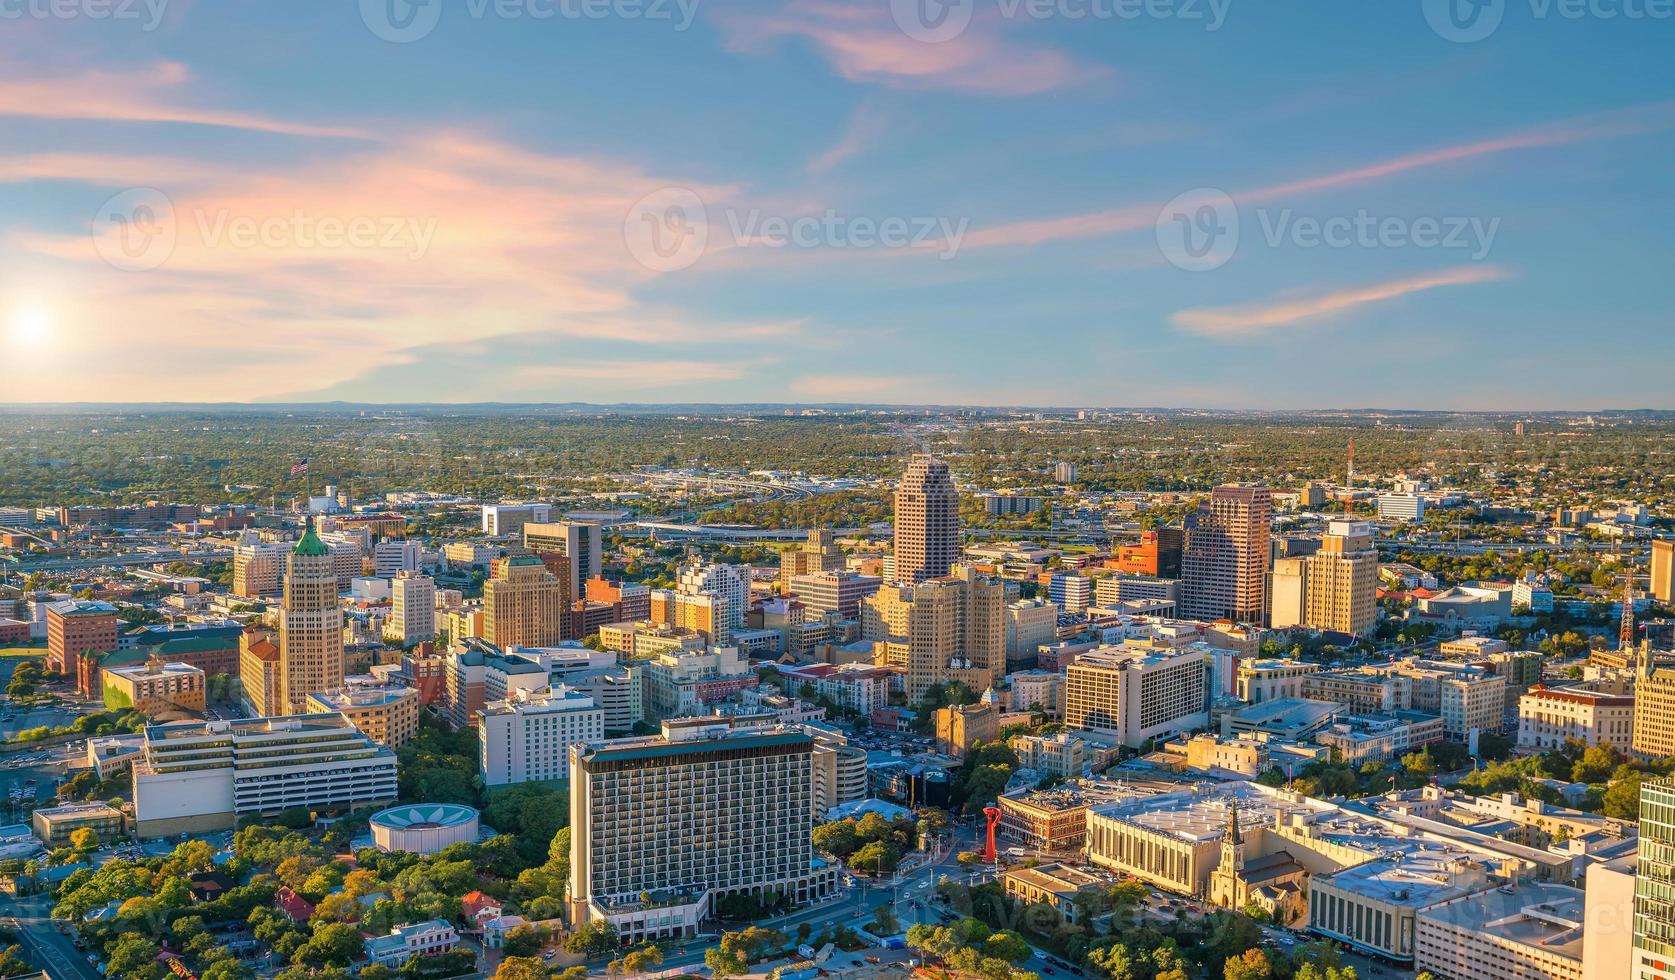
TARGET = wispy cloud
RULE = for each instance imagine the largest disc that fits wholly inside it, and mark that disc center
(1257, 318)
(865, 128)
(158, 93)
(858, 387)
(863, 44)
(1137, 217)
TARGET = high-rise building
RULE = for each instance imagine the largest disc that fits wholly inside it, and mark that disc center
(818, 554)
(1070, 592)
(499, 519)
(76, 627)
(1654, 895)
(393, 556)
(581, 544)
(310, 625)
(1288, 591)
(1130, 696)
(1158, 554)
(1663, 570)
(386, 712)
(523, 604)
(834, 592)
(944, 630)
(1029, 623)
(256, 565)
(1654, 708)
(413, 608)
(1343, 580)
(724, 582)
(701, 811)
(260, 674)
(1224, 569)
(927, 534)
(527, 737)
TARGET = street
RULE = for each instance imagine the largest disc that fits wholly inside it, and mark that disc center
(42, 943)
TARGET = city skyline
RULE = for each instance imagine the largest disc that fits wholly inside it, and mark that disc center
(477, 205)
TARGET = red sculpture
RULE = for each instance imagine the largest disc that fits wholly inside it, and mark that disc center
(993, 813)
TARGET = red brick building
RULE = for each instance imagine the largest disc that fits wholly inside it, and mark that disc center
(78, 626)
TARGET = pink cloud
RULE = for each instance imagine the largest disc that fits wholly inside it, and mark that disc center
(1613, 125)
(863, 44)
(865, 128)
(1239, 321)
(152, 94)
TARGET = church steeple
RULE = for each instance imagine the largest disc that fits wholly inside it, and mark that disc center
(1233, 840)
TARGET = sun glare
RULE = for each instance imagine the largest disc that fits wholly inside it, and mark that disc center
(30, 326)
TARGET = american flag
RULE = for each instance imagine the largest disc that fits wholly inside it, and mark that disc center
(299, 468)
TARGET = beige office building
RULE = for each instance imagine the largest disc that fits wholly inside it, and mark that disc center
(523, 604)
(927, 532)
(384, 712)
(1663, 570)
(1548, 717)
(688, 816)
(1654, 710)
(256, 566)
(310, 625)
(1224, 568)
(1288, 593)
(1129, 696)
(1532, 930)
(259, 674)
(581, 545)
(1270, 680)
(818, 554)
(413, 608)
(943, 630)
(1343, 580)
(155, 687)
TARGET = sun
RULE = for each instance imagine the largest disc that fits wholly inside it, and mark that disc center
(30, 326)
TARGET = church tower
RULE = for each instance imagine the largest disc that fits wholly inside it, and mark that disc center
(1233, 842)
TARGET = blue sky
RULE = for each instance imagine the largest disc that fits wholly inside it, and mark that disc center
(821, 201)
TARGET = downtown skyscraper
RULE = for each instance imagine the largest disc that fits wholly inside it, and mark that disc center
(927, 542)
(310, 625)
(1225, 565)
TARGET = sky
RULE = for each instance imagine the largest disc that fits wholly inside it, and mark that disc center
(1456, 204)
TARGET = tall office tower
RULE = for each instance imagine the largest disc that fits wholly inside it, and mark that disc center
(818, 554)
(1225, 566)
(1654, 902)
(413, 608)
(1288, 589)
(1343, 580)
(1158, 554)
(1654, 708)
(310, 624)
(724, 582)
(834, 592)
(523, 604)
(1663, 570)
(945, 630)
(579, 542)
(256, 566)
(694, 814)
(1130, 696)
(927, 542)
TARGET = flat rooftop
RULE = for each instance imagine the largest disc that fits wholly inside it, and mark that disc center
(1543, 915)
(1414, 874)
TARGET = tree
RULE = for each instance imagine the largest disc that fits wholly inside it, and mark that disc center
(131, 955)
(1622, 797)
(836, 838)
(642, 960)
(884, 922)
(1251, 965)
(524, 940)
(724, 964)
(1007, 945)
(592, 939)
(878, 857)
(333, 944)
(518, 968)
(84, 840)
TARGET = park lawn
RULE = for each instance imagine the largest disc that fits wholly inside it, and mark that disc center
(23, 651)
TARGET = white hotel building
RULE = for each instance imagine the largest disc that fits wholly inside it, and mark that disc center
(199, 776)
(528, 736)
